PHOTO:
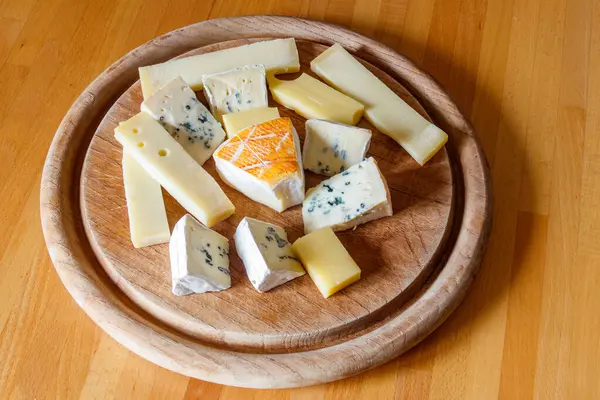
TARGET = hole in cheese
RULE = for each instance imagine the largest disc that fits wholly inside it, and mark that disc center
(141, 144)
(135, 131)
(163, 153)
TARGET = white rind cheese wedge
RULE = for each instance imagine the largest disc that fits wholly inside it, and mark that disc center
(331, 148)
(148, 223)
(237, 121)
(327, 261)
(263, 162)
(236, 90)
(353, 197)
(199, 258)
(383, 108)
(180, 112)
(170, 165)
(266, 253)
(311, 98)
(278, 56)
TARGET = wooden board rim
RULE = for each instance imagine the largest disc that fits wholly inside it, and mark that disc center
(147, 337)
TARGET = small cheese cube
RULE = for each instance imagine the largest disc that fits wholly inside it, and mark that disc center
(237, 121)
(327, 261)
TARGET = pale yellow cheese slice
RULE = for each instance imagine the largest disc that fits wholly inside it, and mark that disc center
(237, 121)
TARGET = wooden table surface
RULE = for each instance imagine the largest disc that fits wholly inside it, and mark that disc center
(526, 72)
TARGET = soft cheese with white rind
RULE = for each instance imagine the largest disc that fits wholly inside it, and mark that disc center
(180, 112)
(148, 223)
(199, 258)
(356, 196)
(237, 121)
(236, 90)
(331, 148)
(266, 253)
(383, 108)
(279, 56)
(170, 165)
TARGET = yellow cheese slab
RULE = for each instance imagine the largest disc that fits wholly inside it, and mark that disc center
(327, 262)
(311, 98)
(237, 121)
(383, 108)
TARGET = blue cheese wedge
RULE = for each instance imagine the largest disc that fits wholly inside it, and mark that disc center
(331, 147)
(199, 258)
(180, 112)
(356, 196)
(236, 90)
(266, 253)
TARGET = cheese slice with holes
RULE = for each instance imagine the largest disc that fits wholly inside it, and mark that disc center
(237, 121)
(263, 162)
(170, 165)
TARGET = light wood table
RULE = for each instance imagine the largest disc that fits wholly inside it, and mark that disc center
(527, 73)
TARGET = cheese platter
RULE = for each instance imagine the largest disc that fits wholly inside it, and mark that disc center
(269, 205)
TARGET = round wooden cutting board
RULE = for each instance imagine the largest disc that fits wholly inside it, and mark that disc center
(416, 265)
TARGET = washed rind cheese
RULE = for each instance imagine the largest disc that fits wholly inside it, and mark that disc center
(236, 90)
(356, 196)
(237, 121)
(279, 56)
(327, 261)
(266, 253)
(199, 258)
(311, 98)
(170, 165)
(331, 148)
(383, 108)
(180, 112)
(263, 162)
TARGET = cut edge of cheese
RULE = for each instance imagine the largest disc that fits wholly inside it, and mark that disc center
(238, 121)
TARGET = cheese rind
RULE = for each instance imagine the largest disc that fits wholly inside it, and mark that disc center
(327, 262)
(237, 121)
(353, 197)
(199, 258)
(312, 98)
(263, 162)
(148, 223)
(266, 253)
(383, 108)
(171, 166)
(236, 90)
(278, 56)
(331, 148)
(180, 112)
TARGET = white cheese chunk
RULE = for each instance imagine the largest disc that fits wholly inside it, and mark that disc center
(199, 258)
(236, 90)
(278, 56)
(358, 195)
(331, 148)
(266, 254)
(180, 112)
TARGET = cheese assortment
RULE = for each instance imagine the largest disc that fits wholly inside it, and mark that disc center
(266, 253)
(236, 90)
(327, 261)
(278, 56)
(237, 121)
(178, 110)
(331, 148)
(353, 197)
(383, 108)
(263, 162)
(199, 258)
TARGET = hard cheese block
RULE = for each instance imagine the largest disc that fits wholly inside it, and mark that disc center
(171, 166)
(237, 121)
(236, 90)
(383, 108)
(148, 223)
(326, 260)
(278, 56)
(178, 110)
(331, 148)
(199, 258)
(353, 197)
(263, 162)
(312, 98)
(266, 254)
